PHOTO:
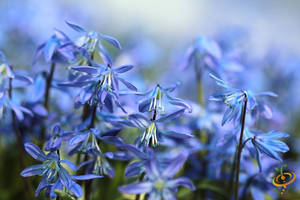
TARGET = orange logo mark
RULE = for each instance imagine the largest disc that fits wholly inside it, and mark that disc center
(286, 178)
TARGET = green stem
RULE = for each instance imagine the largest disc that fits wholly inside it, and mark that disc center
(240, 150)
(20, 142)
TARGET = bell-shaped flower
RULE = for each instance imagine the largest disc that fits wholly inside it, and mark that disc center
(265, 143)
(100, 85)
(50, 168)
(234, 99)
(151, 132)
(5, 70)
(160, 183)
(88, 139)
(54, 143)
(92, 40)
(51, 46)
(154, 99)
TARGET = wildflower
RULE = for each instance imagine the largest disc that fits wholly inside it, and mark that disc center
(151, 131)
(100, 86)
(91, 39)
(54, 143)
(49, 169)
(153, 99)
(234, 98)
(265, 143)
(160, 183)
(50, 48)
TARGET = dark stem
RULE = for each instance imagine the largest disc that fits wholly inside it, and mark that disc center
(233, 168)
(240, 150)
(246, 142)
(46, 102)
(20, 142)
(88, 183)
(137, 197)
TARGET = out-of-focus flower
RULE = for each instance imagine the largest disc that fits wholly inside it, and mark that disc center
(91, 39)
(5, 71)
(233, 98)
(54, 143)
(50, 48)
(153, 99)
(160, 183)
(50, 168)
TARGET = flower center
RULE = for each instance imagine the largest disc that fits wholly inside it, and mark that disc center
(150, 133)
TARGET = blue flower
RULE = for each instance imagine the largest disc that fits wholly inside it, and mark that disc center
(91, 39)
(100, 86)
(50, 48)
(153, 99)
(234, 99)
(138, 167)
(5, 70)
(266, 144)
(151, 131)
(160, 183)
(88, 139)
(50, 168)
(54, 143)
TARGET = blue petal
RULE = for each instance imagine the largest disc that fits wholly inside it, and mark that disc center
(60, 35)
(134, 169)
(53, 145)
(170, 117)
(171, 88)
(271, 94)
(38, 88)
(76, 189)
(24, 79)
(78, 138)
(112, 132)
(168, 194)
(134, 150)
(123, 68)
(174, 167)
(178, 102)
(128, 84)
(9, 71)
(139, 121)
(181, 181)
(122, 155)
(40, 110)
(35, 151)
(220, 82)
(153, 170)
(87, 177)
(57, 130)
(144, 106)
(50, 47)
(84, 163)
(257, 156)
(64, 177)
(38, 53)
(111, 40)
(174, 134)
(86, 93)
(70, 164)
(86, 69)
(137, 188)
(33, 170)
(76, 27)
(104, 54)
(112, 140)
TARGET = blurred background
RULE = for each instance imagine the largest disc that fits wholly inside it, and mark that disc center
(155, 35)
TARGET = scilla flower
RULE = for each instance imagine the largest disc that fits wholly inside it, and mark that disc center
(50, 168)
(160, 183)
(91, 39)
(234, 98)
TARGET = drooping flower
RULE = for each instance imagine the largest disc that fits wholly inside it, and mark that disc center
(151, 132)
(50, 48)
(50, 168)
(93, 39)
(266, 144)
(88, 139)
(234, 99)
(160, 183)
(100, 86)
(153, 99)
(54, 143)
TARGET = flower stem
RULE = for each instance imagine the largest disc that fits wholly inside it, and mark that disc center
(20, 142)
(240, 149)
(46, 102)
